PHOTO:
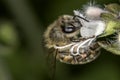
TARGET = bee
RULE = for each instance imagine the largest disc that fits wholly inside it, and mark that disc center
(64, 37)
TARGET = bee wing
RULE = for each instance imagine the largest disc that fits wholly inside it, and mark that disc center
(51, 62)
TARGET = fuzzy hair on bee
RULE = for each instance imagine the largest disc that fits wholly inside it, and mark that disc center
(61, 31)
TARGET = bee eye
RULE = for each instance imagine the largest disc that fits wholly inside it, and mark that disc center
(68, 29)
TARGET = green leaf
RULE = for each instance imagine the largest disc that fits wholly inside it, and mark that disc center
(111, 28)
(113, 46)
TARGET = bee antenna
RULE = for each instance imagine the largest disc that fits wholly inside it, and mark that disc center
(81, 18)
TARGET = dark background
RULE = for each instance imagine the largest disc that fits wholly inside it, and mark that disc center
(22, 51)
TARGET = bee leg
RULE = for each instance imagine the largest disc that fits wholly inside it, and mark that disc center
(91, 41)
(77, 20)
(72, 49)
(63, 47)
(82, 45)
(54, 65)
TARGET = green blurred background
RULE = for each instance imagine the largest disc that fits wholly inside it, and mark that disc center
(22, 51)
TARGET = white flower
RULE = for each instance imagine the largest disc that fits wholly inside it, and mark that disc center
(92, 28)
(93, 12)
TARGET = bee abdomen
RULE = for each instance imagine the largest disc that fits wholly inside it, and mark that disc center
(85, 56)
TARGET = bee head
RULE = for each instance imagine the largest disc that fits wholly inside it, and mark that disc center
(69, 26)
